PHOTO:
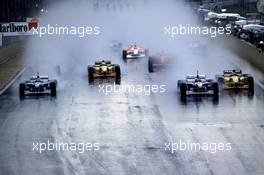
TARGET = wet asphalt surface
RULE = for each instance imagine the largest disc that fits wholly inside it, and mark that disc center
(132, 128)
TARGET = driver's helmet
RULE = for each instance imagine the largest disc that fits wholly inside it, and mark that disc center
(197, 80)
(38, 77)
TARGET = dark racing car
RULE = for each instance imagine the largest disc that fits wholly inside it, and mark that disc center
(197, 85)
(38, 84)
(159, 61)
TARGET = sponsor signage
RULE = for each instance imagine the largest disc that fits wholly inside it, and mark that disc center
(19, 28)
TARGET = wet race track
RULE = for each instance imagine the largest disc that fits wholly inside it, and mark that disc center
(131, 129)
(130, 133)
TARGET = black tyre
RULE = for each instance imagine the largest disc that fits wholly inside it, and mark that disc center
(179, 83)
(90, 72)
(183, 90)
(150, 65)
(22, 87)
(118, 81)
(124, 54)
(118, 71)
(215, 88)
(53, 89)
(220, 79)
(250, 83)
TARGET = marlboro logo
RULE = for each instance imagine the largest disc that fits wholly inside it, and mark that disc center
(19, 27)
(33, 24)
(13, 27)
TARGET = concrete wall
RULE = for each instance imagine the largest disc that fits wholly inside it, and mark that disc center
(246, 51)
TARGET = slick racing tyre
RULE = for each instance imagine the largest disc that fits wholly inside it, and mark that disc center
(118, 71)
(53, 91)
(250, 83)
(118, 81)
(179, 83)
(124, 54)
(22, 87)
(150, 65)
(183, 91)
(90, 73)
(220, 79)
(215, 88)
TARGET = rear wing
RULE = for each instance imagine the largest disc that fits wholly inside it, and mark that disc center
(40, 77)
(195, 76)
(234, 71)
(103, 61)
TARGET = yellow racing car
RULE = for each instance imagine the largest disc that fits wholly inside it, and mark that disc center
(235, 79)
(103, 69)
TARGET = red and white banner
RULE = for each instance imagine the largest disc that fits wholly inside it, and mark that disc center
(19, 28)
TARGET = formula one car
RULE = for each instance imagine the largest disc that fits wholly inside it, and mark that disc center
(198, 84)
(38, 84)
(103, 69)
(159, 60)
(234, 79)
(135, 51)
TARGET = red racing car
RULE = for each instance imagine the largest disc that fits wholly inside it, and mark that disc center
(159, 60)
(135, 51)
